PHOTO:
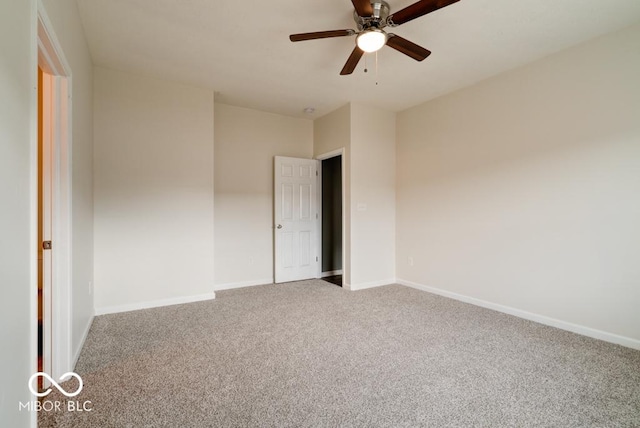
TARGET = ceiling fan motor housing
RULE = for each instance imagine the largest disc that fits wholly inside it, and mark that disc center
(377, 20)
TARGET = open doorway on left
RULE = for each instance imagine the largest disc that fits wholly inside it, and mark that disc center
(51, 322)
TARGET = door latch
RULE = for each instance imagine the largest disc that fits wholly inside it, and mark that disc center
(46, 245)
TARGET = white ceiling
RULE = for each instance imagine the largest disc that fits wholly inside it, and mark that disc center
(241, 49)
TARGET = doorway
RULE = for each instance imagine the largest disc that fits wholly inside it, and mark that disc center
(331, 240)
(52, 321)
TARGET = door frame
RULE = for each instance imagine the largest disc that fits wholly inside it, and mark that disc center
(51, 59)
(345, 268)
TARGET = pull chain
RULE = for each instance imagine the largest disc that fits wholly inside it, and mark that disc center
(376, 68)
(366, 69)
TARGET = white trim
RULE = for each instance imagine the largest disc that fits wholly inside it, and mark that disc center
(553, 322)
(241, 284)
(331, 154)
(319, 217)
(85, 333)
(372, 284)
(331, 273)
(50, 44)
(346, 250)
(155, 304)
(61, 233)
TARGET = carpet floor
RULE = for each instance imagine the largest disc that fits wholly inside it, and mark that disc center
(309, 354)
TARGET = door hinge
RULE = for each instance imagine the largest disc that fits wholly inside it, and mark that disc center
(46, 245)
(316, 172)
(316, 258)
(316, 216)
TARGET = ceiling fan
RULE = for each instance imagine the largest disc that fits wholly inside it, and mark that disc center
(371, 17)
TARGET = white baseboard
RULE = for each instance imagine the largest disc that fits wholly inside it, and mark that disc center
(372, 284)
(563, 325)
(85, 333)
(232, 285)
(330, 273)
(154, 304)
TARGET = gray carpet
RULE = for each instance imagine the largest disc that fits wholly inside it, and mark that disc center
(312, 354)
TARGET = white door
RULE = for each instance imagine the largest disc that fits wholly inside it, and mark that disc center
(46, 211)
(296, 219)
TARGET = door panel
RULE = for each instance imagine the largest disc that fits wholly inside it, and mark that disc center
(305, 247)
(296, 219)
(48, 128)
(287, 201)
(305, 202)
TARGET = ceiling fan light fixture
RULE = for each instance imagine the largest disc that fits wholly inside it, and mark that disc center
(371, 40)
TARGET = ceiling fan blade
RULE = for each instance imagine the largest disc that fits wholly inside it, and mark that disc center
(320, 35)
(363, 7)
(352, 61)
(418, 9)
(408, 48)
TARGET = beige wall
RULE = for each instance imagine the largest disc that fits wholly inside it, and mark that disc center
(523, 190)
(17, 139)
(332, 132)
(65, 20)
(153, 178)
(367, 135)
(373, 196)
(246, 142)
